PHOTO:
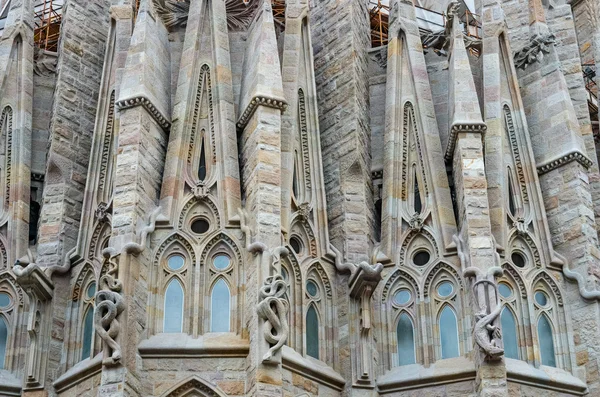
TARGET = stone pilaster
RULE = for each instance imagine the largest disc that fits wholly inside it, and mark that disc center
(143, 105)
(477, 249)
(262, 101)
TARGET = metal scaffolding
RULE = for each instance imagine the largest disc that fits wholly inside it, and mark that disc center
(47, 19)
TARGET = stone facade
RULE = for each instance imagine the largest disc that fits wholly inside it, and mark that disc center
(226, 198)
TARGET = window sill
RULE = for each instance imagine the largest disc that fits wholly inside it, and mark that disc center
(9, 384)
(548, 378)
(312, 369)
(408, 377)
(218, 344)
(81, 371)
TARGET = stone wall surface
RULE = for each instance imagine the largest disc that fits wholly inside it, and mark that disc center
(389, 221)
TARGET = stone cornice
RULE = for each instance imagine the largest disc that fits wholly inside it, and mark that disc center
(150, 108)
(461, 127)
(254, 103)
(564, 159)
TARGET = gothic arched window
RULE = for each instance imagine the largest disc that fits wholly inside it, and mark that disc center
(174, 303)
(312, 332)
(544, 329)
(406, 340)
(220, 307)
(448, 333)
(87, 340)
(319, 319)
(3, 341)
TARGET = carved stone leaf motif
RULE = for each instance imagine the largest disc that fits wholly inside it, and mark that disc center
(534, 51)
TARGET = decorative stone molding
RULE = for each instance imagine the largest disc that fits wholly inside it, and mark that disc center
(150, 108)
(273, 308)
(534, 51)
(565, 159)
(255, 103)
(485, 332)
(455, 129)
(109, 305)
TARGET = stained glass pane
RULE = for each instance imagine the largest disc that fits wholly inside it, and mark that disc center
(546, 341)
(173, 316)
(3, 341)
(445, 289)
(88, 332)
(311, 288)
(449, 333)
(406, 340)
(220, 307)
(221, 261)
(312, 332)
(509, 334)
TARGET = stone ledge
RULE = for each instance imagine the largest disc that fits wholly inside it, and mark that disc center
(254, 103)
(415, 376)
(147, 104)
(312, 369)
(218, 344)
(81, 371)
(461, 127)
(548, 378)
(564, 159)
(9, 384)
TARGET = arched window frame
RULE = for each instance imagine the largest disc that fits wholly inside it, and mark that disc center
(323, 303)
(555, 313)
(221, 244)
(517, 303)
(173, 245)
(292, 274)
(437, 303)
(81, 304)
(391, 311)
(10, 314)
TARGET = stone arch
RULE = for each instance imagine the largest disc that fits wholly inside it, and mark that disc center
(552, 287)
(86, 272)
(394, 277)
(527, 246)
(193, 387)
(101, 231)
(200, 207)
(174, 239)
(3, 254)
(303, 229)
(437, 269)
(412, 236)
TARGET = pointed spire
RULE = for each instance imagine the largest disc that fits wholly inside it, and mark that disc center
(465, 113)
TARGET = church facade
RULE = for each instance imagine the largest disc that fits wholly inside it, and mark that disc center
(299, 198)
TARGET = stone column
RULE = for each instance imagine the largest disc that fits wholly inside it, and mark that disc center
(562, 164)
(262, 101)
(144, 107)
(476, 246)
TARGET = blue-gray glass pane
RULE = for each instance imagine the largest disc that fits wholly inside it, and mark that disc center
(3, 341)
(509, 334)
(88, 332)
(449, 333)
(546, 342)
(176, 262)
(312, 333)
(406, 340)
(402, 297)
(220, 307)
(541, 298)
(173, 307)
(504, 290)
(91, 290)
(4, 299)
(311, 287)
(284, 273)
(445, 289)
(221, 261)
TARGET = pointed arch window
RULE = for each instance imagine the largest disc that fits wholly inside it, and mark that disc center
(448, 333)
(173, 309)
(406, 340)
(88, 333)
(202, 162)
(312, 332)
(87, 320)
(546, 340)
(509, 334)
(3, 341)
(220, 310)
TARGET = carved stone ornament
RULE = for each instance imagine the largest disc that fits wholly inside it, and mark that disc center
(273, 309)
(109, 305)
(174, 13)
(534, 51)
